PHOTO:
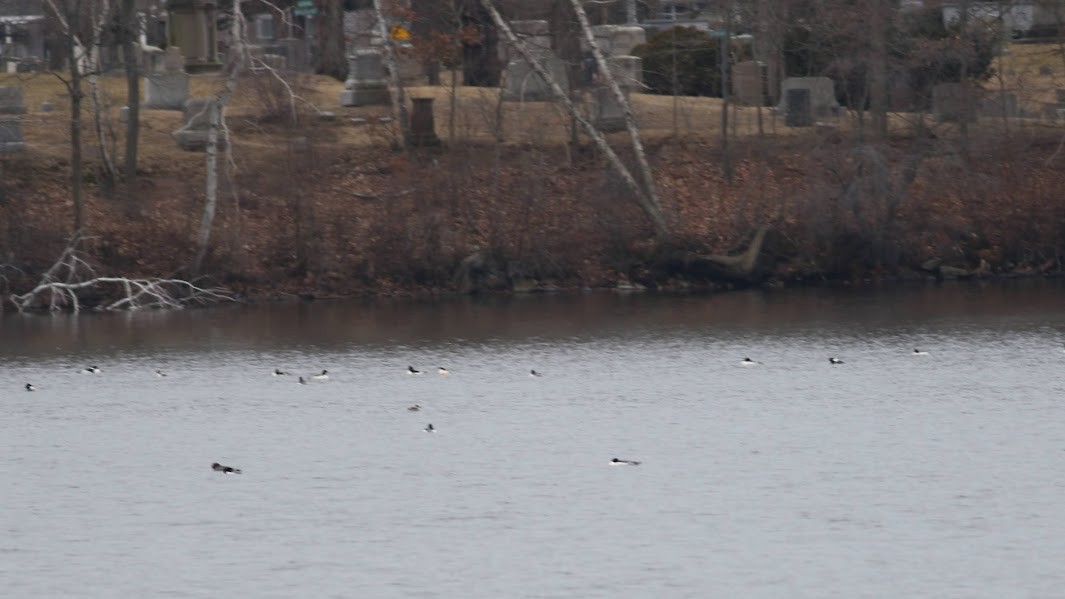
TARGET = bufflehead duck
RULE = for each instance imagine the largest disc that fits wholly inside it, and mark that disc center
(918, 352)
(30, 387)
(220, 468)
(430, 429)
(323, 376)
(748, 362)
(412, 370)
(92, 370)
(279, 372)
(303, 381)
(835, 361)
(160, 373)
(617, 462)
(534, 373)
(442, 371)
(414, 408)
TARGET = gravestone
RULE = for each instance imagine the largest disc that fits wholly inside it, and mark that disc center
(523, 83)
(11, 100)
(366, 84)
(422, 124)
(749, 83)
(273, 62)
(799, 109)
(608, 114)
(47, 106)
(627, 70)
(123, 114)
(196, 124)
(617, 40)
(822, 95)
(11, 135)
(192, 28)
(168, 89)
(953, 103)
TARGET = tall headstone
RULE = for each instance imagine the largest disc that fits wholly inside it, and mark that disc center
(366, 84)
(168, 89)
(749, 83)
(191, 27)
(608, 114)
(822, 94)
(422, 124)
(523, 83)
(196, 124)
(11, 100)
(11, 135)
(799, 108)
(618, 40)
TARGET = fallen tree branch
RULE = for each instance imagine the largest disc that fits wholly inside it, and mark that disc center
(737, 267)
(71, 273)
(172, 294)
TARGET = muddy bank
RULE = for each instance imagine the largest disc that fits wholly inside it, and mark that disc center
(318, 219)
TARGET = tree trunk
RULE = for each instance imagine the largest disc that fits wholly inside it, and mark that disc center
(399, 102)
(133, 88)
(649, 205)
(76, 95)
(92, 58)
(237, 60)
(331, 57)
(650, 191)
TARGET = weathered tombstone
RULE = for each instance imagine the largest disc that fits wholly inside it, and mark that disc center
(264, 27)
(366, 84)
(274, 62)
(627, 70)
(953, 103)
(749, 83)
(422, 124)
(798, 111)
(191, 27)
(11, 100)
(618, 40)
(11, 136)
(168, 90)
(822, 94)
(523, 83)
(196, 121)
(608, 114)
(47, 106)
(123, 114)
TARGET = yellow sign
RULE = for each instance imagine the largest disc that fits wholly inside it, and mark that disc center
(399, 33)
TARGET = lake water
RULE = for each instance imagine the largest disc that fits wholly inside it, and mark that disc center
(891, 475)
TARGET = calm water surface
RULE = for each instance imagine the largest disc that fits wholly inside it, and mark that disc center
(891, 475)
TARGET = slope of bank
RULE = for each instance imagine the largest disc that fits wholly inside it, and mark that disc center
(330, 208)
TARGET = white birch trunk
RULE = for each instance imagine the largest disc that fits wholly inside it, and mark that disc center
(630, 121)
(94, 89)
(237, 60)
(399, 102)
(648, 204)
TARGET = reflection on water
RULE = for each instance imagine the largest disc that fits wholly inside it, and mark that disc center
(890, 475)
(477, 320)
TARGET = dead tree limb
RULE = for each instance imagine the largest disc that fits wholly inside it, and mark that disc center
(738, 267)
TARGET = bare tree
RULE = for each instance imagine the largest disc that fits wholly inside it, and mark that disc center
(130, 40)
(399, 102)
(68, 14)
(236, 63)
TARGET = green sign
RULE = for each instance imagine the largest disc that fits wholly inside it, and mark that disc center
(305, 3)
(305, 11)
